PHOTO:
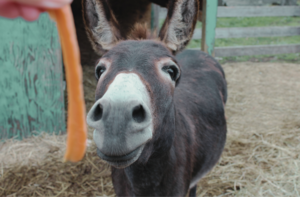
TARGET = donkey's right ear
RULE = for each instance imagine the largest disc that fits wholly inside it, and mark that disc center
(100, 24)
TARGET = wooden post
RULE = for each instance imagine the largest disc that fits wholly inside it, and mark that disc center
(154, 17)
(31, 85)
(209, 22)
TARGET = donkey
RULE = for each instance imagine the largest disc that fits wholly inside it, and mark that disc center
(159, 118)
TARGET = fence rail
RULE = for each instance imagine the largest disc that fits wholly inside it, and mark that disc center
(258, 11)
(254, 32)
(250, 11)
(255, 50)
(258, 2)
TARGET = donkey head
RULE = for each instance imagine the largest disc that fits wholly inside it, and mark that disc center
(134, 97)
(133, 115)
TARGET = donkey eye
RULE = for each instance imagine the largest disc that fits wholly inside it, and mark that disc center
(172, 71)
(99, 71)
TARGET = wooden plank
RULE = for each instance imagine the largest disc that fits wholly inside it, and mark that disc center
(243, 32)
(250, 11)
(154, 17)
(203, 19)
(209, 23)
(257, 32)
(259, 2)
(198, 33)
(163, 13)
(31, 78)
(255, 50)
(256, 11)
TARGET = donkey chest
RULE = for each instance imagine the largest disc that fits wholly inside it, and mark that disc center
(155, 179)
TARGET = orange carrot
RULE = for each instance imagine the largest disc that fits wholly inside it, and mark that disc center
(77, 129)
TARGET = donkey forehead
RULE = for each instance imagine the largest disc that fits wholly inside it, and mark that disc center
(136, 51)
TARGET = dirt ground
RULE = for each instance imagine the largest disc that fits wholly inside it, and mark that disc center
(261, 157)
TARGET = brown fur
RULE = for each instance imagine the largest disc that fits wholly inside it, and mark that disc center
(141, 32)
(130, 12)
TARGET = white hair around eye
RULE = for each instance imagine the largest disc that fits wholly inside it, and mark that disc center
(168, 69)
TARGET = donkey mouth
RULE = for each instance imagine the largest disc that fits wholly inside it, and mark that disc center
(122, 161)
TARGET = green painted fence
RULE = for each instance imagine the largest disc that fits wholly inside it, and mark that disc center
(209, 22)
(31, 90)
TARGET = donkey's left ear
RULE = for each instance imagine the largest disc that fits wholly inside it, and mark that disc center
(180, 23)
(100, 24)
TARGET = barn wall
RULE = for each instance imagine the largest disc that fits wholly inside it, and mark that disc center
(31, 97)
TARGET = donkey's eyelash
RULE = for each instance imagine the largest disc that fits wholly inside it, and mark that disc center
(100, 64)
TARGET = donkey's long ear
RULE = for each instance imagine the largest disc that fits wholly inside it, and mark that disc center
(180, 23)
(100, 24)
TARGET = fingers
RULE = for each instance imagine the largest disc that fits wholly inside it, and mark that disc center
(47, 4)
(28, 9)
(9, 10)
(14, 10)
(29, 13)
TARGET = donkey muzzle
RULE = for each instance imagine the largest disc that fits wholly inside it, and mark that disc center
(122, 121)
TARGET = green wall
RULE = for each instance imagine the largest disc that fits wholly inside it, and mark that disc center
(31, 90)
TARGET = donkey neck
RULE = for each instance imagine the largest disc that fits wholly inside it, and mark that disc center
(158, 177)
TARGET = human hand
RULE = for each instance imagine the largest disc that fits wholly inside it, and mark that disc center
(28, 9)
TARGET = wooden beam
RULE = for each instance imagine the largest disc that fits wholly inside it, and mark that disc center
(163, 13)
(203, 18)
(243, 32)
(250, 11)
(259, 2)
(255, 50)
(154, 17)
(209, 22)
(258, 11)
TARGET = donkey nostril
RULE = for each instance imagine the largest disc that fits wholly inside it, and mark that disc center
(98, 113)
(139, 114)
